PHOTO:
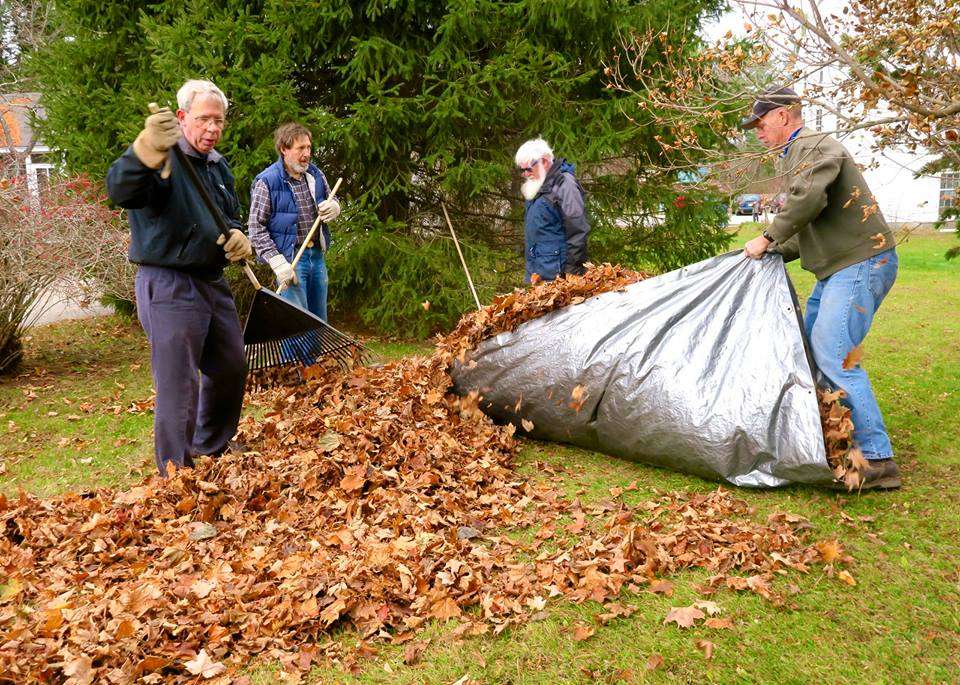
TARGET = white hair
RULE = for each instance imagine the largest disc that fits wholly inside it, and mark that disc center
(531, 150)
(194, 87)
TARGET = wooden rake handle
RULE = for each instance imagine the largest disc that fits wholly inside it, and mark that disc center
(306, 241)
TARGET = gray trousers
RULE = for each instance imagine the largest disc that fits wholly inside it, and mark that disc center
(198, 362)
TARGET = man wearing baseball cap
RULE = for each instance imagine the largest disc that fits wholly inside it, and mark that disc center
(844, 240)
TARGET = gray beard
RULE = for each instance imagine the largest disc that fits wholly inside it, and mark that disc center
(299, 168)
(531, 187)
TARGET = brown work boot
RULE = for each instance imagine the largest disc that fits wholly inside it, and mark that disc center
(881, 474)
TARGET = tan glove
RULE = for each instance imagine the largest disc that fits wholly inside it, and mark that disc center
(161, 131)
(237, 246)
(328, 210)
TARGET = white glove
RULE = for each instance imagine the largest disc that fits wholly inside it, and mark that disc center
(328, 210)
(237, 246)
(286, 276)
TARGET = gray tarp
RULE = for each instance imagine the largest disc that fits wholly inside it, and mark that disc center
(702, 370)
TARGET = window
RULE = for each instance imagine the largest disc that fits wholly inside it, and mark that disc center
(949, 183)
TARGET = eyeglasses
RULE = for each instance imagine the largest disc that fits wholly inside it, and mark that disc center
(528, 169)
(205, 121)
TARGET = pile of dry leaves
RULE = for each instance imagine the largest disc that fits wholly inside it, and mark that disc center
(372, 498)
(506, 312)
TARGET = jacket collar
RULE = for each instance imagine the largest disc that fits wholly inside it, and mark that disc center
(793, 137)
(213, 156)
(553, 174)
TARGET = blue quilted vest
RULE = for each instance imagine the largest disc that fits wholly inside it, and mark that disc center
(545, 240)
(283, 206)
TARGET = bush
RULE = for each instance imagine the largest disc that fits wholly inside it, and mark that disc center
(68, 237)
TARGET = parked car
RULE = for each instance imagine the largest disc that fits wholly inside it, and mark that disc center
(746, 203)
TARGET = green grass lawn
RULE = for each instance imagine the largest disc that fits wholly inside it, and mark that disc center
(72, 420)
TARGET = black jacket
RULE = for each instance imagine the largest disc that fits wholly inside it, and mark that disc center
(169, 224)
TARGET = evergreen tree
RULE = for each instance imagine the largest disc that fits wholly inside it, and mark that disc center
(413, 102)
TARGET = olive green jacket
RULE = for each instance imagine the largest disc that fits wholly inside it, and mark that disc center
(829, 208)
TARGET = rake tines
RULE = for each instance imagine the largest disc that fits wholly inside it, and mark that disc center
(279, 333)
(306, 348)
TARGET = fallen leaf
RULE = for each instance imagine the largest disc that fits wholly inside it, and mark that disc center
(853, 357)
(537, 603)
(354, 478)
(654, 662)
(204, 666)
(11, 589)
(706, 647)
(583, 632)
(845, 577)
(79, 671)
(445, 608)
(527, 425)
(328, 441)
(467, 533)
(413, 651)
(579, 396)
(684, 617)
(718, 623)
(202, 531)
(201, 588)
(712, 608)
(662, 587)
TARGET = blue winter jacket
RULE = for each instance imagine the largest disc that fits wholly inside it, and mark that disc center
(556, 226)
(283, 207)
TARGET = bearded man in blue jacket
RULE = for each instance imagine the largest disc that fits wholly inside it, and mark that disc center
(555, 221)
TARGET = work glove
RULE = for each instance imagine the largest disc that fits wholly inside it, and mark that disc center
(286, 276)
(328, 210)
(161, 131)
(237, 246)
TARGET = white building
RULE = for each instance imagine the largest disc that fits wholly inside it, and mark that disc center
(903, 196)
(20, 153)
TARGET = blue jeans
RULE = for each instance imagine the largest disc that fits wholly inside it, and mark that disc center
(839, 313)
(311, 293)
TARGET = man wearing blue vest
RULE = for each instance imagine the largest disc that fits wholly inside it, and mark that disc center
(286, 198)
(555, 222)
